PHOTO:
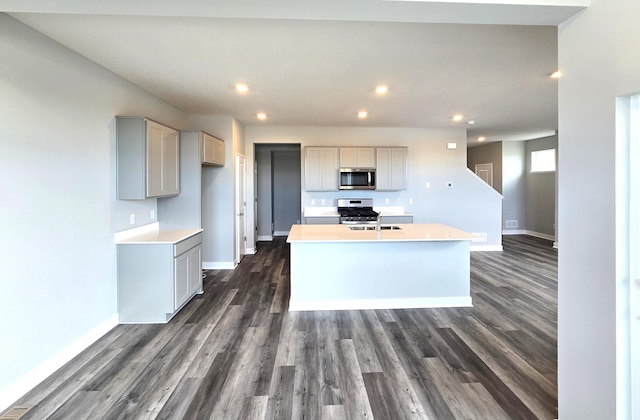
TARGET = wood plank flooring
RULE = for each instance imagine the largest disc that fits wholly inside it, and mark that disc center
(237, 353)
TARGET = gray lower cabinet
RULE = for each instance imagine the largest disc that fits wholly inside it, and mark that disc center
(322, 220)
(147, 159)
(396, 220)
(155, 280)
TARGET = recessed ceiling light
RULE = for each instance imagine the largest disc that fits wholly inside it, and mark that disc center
(555, 74)
(261, 116)
(363, 114)
(481, 138)
(242, 88)
(457, 117)
(471, 122)
(382, 89)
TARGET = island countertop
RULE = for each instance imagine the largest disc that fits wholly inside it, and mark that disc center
(406, 233)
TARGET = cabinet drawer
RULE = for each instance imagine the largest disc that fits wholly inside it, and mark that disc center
(183, 246)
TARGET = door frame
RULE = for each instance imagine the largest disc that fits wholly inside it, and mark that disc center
(240, 208)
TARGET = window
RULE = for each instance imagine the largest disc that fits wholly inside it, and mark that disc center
(543, 160)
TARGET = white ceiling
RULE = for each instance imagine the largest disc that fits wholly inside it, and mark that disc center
(318, 72)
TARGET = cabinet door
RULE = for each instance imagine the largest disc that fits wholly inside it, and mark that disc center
(330, 169)
(213, 151)
(366, 157)
(181, 287)
(195, 270)
(154, 159)
(321, 169)
(188, 275)
(391, 168)
(163, 160)
(218, 152)
(170, 162)
(357, 157)
(348, 157)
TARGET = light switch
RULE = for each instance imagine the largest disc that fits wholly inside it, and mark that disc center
(452, 146)
(132, 218)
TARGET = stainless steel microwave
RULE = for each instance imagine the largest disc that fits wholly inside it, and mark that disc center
(357, 178)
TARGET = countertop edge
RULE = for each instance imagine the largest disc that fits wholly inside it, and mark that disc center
(161, 236)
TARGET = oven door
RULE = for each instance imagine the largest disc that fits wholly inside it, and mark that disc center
(357, 179)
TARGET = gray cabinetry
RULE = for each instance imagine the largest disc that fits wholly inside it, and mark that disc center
(155, 280)
(391, 168)
(396, 220)
(322, 220)
(148, 159)
(321, 169)
(357, 157)
(212, 150)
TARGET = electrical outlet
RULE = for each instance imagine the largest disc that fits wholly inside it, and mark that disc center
(386, 201)
(411, 201)
(152, 214)
(132, 218)
(428, 185)
(313, 201)
(322, 202)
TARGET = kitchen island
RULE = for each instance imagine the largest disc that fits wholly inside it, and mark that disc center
(335, 267)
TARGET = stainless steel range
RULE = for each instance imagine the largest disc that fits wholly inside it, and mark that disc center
(356, 211)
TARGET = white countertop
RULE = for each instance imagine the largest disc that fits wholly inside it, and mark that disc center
(161, 236)
(408, 232)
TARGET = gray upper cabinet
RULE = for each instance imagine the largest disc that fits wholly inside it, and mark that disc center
(357, 157)
(148, 159)
(321, 169)
(391, 168)
(212, 150)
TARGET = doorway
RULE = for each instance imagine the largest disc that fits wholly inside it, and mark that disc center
(278, 189)
(485, 172)
(285, 193)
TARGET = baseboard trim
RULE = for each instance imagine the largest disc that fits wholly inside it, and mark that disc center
(218, 265)
(266, 238)
(514, 232)
(366, 304)
(16, 390)
(281, 233)
(251, 251)
(530, 233)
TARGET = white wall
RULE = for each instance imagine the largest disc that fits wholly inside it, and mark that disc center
(470, 205)
(58, 211)
(541, 191)
(599, 61)
(513, 184)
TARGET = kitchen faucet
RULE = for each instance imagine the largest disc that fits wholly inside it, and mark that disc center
(379, 222)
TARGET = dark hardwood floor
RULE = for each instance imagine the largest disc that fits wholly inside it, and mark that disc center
(237, 353)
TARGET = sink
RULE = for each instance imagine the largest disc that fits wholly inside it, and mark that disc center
(362, 227)
(373, 227)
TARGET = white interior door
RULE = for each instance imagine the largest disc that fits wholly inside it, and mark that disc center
(485, 172)
(241, 207)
